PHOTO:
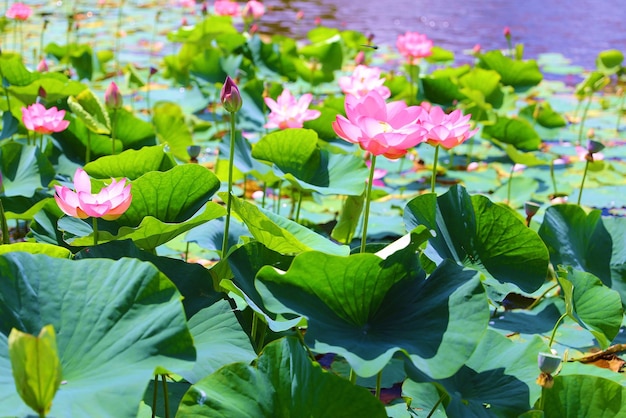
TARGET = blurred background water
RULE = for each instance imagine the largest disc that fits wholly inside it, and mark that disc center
(577, 29)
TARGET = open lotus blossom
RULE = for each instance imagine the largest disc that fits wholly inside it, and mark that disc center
(287, 112)
(363, 80)
(388, 129)
(226, 8)
(414, 45)
(44, 121)
(446, 130)
(110, 203)
(19, 11)
(253, 9)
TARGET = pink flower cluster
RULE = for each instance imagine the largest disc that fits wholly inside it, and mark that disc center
(391, 129)
(110, 203)
(289, 112)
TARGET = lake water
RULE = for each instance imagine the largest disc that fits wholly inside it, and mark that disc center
(578, 29)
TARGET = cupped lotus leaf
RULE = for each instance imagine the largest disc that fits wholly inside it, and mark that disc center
(582, 395)
(25, 170)
(475, 232)
(577, 239)
(219, 340)
(14, 71)
(595, 81)
(497, 380)
(610, 61)
(170, 196)
(515, 131)
(91, 111)
(297, 157)
(367, 309)
(171, 129)
(544, 115)
(131, 164)
(516, 73)
(283, 383)
(148, 235)
(116, 322)
(36, 367)
(281, 234)
(593, 305)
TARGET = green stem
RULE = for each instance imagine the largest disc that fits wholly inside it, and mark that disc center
(379, 378)
(255, 321)
(166, 399)
(434, 408)
(5, 225)
(541, 296)
(154, 395)
(278, 192)
(553, 178)
(451, 152)
(231, 163)
(264, 193)
(117, 37)
(306, 347)
(541, 399)
(619, 111)
(556, 326)
(187, 252)
(582, 183)
(368, 196)
(508, 188)
(88, 152)
(582, 121)
(113, 123)
(299, 205)
(95, 231)
(352, 377)
(433, 179)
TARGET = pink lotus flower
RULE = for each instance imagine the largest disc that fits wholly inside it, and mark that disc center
(363, 80)
(287, 112)
(414, 45)
(44, 121)
(226, 8)
(110, 203)
(19, 11)
(42, 67)
(383, 128)
(446, 130)
(253, 9)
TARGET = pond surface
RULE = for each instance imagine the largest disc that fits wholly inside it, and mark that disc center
(578, 29)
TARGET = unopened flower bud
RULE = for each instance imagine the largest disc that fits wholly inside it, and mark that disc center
(42, 67)
(230, 96)
(112, 97)
(507, 32)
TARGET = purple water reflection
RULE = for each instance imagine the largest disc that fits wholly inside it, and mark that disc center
(578, 29)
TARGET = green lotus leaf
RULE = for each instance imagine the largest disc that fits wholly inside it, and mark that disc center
(280, 234)
(131, 164)
(485, 81)
(132, 131)
(25, 170)
(206, 65)
(282, 383)
(349, 219)
(544, 115)
(515, 131)
(617, 229)
(171, 129)
(498, 379)
(117, 322)
(219, 340)
(91, 111)
(584, 396)
(36, 248)
(610, 61)
(479, 234)
(366, 308)
(516, 73)
(170, 196)
(577, 239)
(14, 71)
(593, 305)
(298, 158)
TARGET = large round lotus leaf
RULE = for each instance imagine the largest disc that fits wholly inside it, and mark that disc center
(282, 384)
(116, 323)
(366, 309)
(479, 234)
(497, 381)
(577, 239)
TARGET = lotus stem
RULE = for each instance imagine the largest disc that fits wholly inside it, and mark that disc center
(368, 197)
(584, 117)
(113, 125)
(88, 152)
(95, 231)
(118, 35)
(553, 178)
(582, 183)
(541, 296)
(5, 226)
(556, 326)
(352, 376)
(155, 393)
(619, 111)
(509, 186)
(264, 193)
(379, 378)
(231, 163)
(187, 252)
(433, 179)
(299, 205)
(166, 399)
(434, 408)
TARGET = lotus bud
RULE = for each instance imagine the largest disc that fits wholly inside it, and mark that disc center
(507, 32)
(230, 96)
(42, 67)
(360, 58)
(112, 97)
